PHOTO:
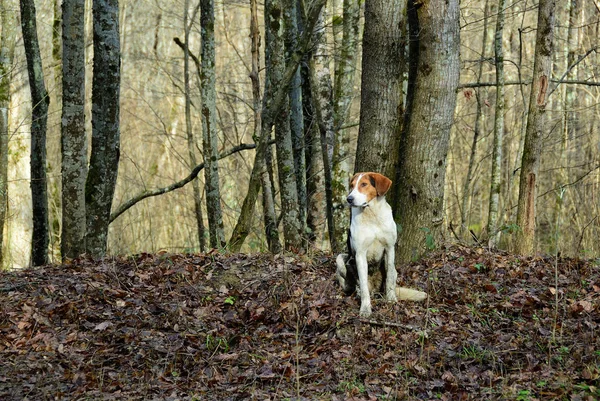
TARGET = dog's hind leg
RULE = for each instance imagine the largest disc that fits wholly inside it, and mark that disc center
(342, 274)
(390, 275)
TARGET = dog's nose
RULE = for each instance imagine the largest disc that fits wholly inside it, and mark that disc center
(350, 199)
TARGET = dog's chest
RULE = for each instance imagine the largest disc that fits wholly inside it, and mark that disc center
(372, 234)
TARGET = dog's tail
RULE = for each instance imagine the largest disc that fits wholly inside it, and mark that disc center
(409, 294)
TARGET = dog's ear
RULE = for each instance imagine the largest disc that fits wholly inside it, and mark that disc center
(382, 183)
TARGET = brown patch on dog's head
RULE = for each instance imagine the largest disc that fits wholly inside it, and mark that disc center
(370, 184)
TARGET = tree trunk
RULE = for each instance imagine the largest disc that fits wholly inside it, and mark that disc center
(7, 48)
(532, 148)
(433, 81)
(39, 118)
(290, 18)
(465, 208)
(210, 142)
(322, 96)
(104, 163)
(271, 106)
(381, 87)
(343, 92)
(496, 178)
(191, 140)
(73, 137)
(275, 66)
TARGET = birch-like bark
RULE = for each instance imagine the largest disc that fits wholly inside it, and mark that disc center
(39, 118)
(191, 140)
(381, 108)
(496, 177)
(210, 141)
(104, 163)
(433, 81)
(343, 92)
(288, 192)
(290, 18)
(73, 136)
(271, 106)
(8, 22)
(532, 147)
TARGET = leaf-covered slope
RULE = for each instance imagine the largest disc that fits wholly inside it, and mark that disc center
(214, 327)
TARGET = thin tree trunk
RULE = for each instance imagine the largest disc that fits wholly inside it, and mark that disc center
(433, 81)
(343, 92)
(290, 18)
(271, 106)
(496, 178)
(39, 118)
(275, 66)
(7, 49)
(381, 108)
(270, 218)
(104, 163)
(465, 209)
(73, 136)
(532, 148)
(191, 141)
(210, 142)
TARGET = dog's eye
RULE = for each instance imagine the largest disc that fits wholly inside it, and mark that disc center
(364, 184)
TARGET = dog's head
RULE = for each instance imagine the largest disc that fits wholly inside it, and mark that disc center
(366, 186)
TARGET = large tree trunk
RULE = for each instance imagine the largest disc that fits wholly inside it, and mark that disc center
(209, 126)
(275, 67)
(495, 180)
(532, 148)
(39, 118)
(102, 177)
(73, 137)
(7, 48)
(381, 87)
(271, 106)
(343, 92)
(433, 81)
(191, 140)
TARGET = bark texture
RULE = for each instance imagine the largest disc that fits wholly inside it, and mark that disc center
(210, 140)
(495, 180)
(532, 147)
(104, 163)
(381, 108)
(433, 80)
(39, 118)
(343, 92)
(73, 137)
(7, 48)
(275, 67)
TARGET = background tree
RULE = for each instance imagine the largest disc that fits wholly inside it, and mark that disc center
(39, 119)
(432, 97)
(104, 162)
(542, 72)
(73, 137)
(8, 22)
(209, 126)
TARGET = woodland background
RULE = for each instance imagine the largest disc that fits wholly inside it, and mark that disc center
(157, 151)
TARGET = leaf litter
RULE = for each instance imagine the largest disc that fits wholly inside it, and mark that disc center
(237, 327)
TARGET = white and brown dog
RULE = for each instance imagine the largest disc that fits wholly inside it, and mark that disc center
(371, 241)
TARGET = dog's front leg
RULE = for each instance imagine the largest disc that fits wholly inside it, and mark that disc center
(363, 278)
(391, 275)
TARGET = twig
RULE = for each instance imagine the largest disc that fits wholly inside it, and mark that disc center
(384, 323)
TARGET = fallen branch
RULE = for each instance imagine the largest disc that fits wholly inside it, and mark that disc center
(383, 323)
(159, 191)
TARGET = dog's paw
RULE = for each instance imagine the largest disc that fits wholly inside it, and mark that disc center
(365, 311)
(391, 296)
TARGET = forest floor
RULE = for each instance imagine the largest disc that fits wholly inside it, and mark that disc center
(238, 327)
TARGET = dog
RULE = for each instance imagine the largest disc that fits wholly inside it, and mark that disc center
(371, 240)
